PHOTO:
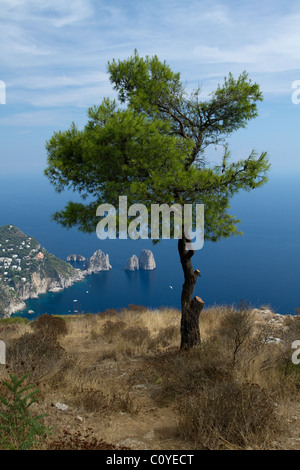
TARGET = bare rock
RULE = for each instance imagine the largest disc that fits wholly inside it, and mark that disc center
(99, 261)
(150, 434)
(147, 260)
(61, 406)
(134, 444)
(263, 314)
(132, 264)
(75, 258)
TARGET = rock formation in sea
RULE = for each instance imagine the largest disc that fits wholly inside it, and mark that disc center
(99, 261)
(132, 263)
(147, 260)
(75, 258)
(28, 270)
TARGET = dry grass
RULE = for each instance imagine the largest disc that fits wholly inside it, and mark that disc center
(123, 372)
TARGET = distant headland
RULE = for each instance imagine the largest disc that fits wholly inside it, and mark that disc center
(28, 270)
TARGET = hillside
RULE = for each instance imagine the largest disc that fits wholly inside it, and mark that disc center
(119, 379)
(27, 270)
(9, 300)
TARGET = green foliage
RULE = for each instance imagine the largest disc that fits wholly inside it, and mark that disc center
(150, 86)
(13, 320)
(152, 147)
(19, 428)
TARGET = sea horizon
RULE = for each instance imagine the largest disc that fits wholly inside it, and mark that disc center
(260, 268)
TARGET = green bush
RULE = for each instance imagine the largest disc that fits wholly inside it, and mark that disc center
(19, 429)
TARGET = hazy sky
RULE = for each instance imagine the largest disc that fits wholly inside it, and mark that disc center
(54, 53)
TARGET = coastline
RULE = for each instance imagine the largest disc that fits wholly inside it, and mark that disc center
(53, 287)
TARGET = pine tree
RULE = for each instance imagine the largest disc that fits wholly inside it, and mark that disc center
(151, 147)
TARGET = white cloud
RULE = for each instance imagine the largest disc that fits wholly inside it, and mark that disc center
(29, 119)
(54, 53)
(55, 12)
(47, 118)
(279, 51)
(57, 81)
(72, 89)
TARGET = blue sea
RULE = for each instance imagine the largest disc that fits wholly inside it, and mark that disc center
(261, 268)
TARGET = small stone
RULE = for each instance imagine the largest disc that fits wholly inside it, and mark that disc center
(149, 435)
(272, 339)
(61, 406)
(140, 387)
(133, 444)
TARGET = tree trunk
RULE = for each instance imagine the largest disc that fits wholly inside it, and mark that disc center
(190, 307)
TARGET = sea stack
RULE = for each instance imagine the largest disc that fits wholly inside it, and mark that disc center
(132, 264)
(147, 260)
(75, 258)
(99, 261)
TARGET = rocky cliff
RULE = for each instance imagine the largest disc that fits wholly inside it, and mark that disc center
(132, 263)
(99, 261)
(10, 301)
(39, 283)
(147, 260)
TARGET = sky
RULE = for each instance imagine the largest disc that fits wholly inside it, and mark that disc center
(54, 54)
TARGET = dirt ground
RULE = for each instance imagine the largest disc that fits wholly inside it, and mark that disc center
(153, 426)
(146, 425)
(105, 394)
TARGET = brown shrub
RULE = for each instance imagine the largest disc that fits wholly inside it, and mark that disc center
(91, 400)
(167, 335)
(49, 325)
(109, 312)
(123, 400)
(184, 372)
(137, 335)
(111, 329)
(235, 330)
(8, 329)
(113, 399)
(79, 441)
(227, 415)
(137, 308)
(34, 354)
